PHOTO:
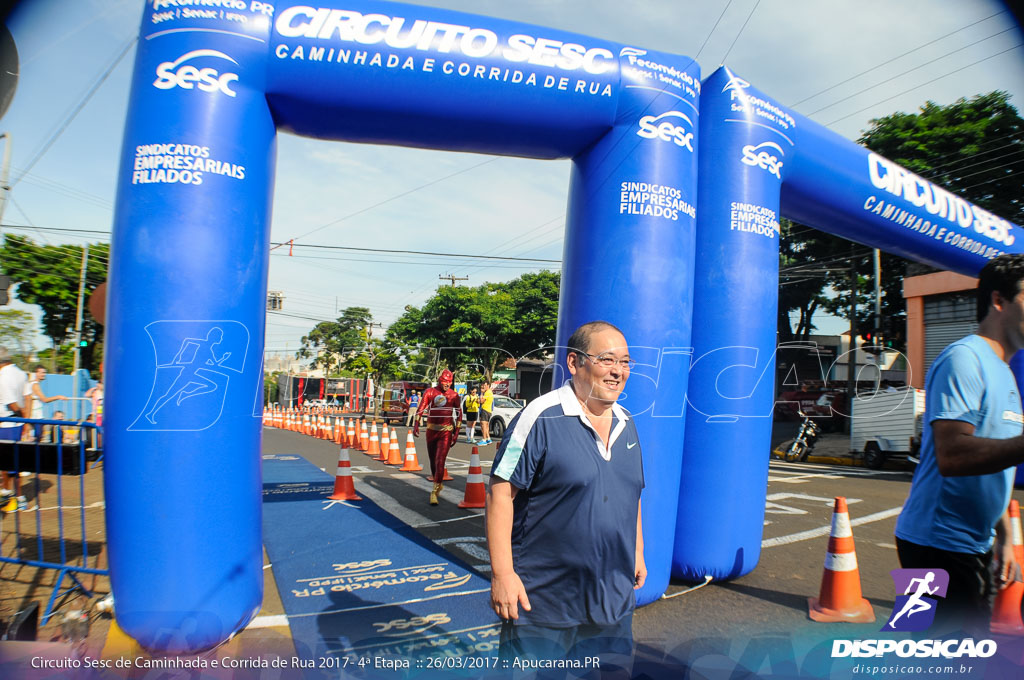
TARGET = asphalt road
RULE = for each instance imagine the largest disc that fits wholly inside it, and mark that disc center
(763, 614)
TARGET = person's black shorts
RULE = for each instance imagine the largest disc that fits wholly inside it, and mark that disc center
(471, 416)
(485, 416)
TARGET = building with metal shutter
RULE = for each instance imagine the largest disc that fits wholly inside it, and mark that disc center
(941, 309)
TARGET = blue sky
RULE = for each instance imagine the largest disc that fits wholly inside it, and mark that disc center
(839, 63)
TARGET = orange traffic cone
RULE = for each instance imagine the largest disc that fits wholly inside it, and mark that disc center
(364, 438)
(840, 598)
(385, 450)
(339, 431)
(344, 489)
(476, 490)
(385, 436)
(412, 462)
(352, 443)
(394, 453)
(1006, 619)
(374, 448)
(447, 477)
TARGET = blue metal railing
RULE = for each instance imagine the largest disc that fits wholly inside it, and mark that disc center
(60, 459)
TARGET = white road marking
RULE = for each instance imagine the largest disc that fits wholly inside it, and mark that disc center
(801, 479)
(390, 505)
(843, 470)
(468, 545)
(277, 621)
(778, 509)
(824, 531)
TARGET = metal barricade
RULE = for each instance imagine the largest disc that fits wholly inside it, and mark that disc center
(68, 454)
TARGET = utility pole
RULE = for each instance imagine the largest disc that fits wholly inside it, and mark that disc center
(878, 295)
(453, 278)
(78, 327)
(851, 357)
(5, 171)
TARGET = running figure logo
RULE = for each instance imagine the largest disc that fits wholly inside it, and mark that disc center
(915, 610)
(194, 364)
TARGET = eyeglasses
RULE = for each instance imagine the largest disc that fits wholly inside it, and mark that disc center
(606, 361)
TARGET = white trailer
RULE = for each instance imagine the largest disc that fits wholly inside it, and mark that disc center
(886, 424)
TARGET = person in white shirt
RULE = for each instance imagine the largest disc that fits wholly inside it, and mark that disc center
(12, 390)
(34, 400)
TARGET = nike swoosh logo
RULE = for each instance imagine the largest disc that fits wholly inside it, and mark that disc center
(629, 446)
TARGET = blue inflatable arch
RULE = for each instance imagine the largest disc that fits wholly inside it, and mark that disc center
(759, 160)
(213, 83)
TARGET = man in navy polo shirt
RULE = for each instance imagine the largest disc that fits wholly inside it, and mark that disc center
(563, 515)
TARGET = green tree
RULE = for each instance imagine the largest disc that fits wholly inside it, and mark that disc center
(48, 276)
(477, 328)
(377, 358)
(331, 342)
(16, 331)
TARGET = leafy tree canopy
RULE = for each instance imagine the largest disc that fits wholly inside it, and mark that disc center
(330, 342)
(48, 276)
(477, 328)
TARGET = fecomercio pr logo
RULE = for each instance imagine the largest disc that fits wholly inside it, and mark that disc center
(914, 611)
(178, 73)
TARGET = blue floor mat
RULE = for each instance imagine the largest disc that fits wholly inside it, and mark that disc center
(362, 591)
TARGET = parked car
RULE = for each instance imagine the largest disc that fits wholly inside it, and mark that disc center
(505, 409)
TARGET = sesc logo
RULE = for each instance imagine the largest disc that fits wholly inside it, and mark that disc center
(177, 73)
(762, 156)
(667, 131)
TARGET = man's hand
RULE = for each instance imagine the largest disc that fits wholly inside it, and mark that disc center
(507, 593)
(1006, 565)
(641, 571)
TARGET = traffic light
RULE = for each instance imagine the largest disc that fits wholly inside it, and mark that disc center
(83, 343)
(872, 344)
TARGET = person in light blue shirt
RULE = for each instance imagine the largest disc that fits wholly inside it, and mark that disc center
(955, 517)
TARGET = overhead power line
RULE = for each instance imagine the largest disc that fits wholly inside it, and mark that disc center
(911, 70)
(916, 87)
(78, 109)
(390, 251)
(889, 61)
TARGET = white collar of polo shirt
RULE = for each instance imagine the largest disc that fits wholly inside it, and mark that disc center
(571, 406)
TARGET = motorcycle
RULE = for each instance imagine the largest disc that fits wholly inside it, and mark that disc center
(802, 445)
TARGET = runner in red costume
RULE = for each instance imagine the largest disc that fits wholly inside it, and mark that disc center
(444, 416)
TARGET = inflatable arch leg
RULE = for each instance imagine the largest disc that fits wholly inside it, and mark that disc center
(185, 328)
(631, 265)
